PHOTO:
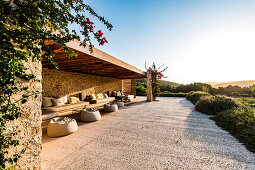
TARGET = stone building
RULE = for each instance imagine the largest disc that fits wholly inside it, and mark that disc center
(88, 72)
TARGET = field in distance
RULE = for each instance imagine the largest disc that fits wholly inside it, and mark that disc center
(233, 83)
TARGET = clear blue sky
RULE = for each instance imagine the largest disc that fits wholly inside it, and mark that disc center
(199, 40)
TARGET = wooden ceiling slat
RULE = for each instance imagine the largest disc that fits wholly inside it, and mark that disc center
(93, 64)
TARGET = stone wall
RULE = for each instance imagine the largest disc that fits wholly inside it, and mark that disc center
(29, 124)
(58, 83)
(127, 86)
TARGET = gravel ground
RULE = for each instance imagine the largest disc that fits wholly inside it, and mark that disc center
(167, 134)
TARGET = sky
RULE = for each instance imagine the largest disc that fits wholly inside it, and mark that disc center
(199, 40)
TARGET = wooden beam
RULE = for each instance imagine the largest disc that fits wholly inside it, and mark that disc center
(96, 63)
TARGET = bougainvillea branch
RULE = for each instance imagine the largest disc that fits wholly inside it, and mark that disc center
(156, 76)
(25, 26)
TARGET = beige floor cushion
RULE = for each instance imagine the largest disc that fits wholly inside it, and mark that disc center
(110, 107)
(89, 115)
(120, 104)
(61, 126)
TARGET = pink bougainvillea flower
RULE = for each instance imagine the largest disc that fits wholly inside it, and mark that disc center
(100, 33)
(104, 39)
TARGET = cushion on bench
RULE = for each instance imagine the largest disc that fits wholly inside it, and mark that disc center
(66, 106)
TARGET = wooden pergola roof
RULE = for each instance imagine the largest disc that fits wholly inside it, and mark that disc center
(96, 63)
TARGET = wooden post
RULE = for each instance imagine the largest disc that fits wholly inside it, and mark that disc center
(149, 87)
(133, 89)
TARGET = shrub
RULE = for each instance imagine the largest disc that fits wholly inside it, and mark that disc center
(170, 94)
(235, 94)
(194, 96)
(244, 95)
(188, 96)
(247, 101)
(141, 90)
(214, 104)
(240, 122)
(234, 115)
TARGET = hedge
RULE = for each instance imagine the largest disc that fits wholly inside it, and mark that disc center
(214, 104)
(194, 96)
(237, 116)
(169, 94)
(240, 122)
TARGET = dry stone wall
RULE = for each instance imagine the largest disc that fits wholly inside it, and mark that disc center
(29, 124)
(58, 83)
(127, 86)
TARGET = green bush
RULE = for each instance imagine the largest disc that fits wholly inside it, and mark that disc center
(236, 94)
(169, 94)
(194, 96)
(188, 96)
(214, 104)
(240, 122)
(234, 115)
(244, 95)
(141, 90)
(247, 101)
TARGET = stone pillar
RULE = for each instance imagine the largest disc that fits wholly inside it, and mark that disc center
(149, 87)
(133, 89)
(122, 85)
(29, 124)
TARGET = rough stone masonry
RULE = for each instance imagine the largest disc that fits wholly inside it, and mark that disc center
(29, 124)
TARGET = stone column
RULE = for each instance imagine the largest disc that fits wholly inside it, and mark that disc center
(122, 85)
(149, 87)
(29, 124)
(133, 89)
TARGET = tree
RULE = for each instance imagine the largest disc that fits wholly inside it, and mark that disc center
(25, 25)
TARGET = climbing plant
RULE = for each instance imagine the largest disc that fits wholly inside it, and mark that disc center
(156, 75)
(25, 26)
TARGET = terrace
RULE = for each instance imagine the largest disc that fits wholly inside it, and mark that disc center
(168, 134)
(87, 74)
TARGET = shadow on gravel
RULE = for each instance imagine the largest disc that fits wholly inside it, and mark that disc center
(203, 131)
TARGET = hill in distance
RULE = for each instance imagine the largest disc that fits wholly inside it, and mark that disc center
(164, 82)
(233, 83)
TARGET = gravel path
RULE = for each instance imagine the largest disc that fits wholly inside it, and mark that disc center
(168, 134)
